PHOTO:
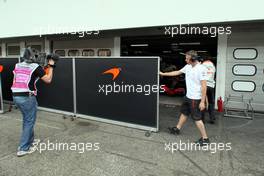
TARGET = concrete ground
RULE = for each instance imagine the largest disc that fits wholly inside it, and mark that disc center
(127, 152)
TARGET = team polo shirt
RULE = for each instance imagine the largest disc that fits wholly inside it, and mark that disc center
(210, 73)
(193, 77)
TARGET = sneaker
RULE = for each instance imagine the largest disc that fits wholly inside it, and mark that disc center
(174, 130)
(35, 142)
(203, 141)
(23, 153)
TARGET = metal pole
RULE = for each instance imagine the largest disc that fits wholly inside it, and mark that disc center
(1, 97)
(74, 87)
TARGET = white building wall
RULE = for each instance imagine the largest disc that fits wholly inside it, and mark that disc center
(25, 18)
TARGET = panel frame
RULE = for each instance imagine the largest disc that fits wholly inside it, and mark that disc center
(1, 96)
(100, 119)
(115, 122)
(18, 60)
(68, 112)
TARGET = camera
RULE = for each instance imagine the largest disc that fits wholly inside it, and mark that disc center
(31, 55)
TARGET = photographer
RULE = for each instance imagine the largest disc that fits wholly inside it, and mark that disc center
(26, 74)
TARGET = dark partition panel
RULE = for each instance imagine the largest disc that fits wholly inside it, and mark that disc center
(59, 93)
(7, 76)
(133, 98)
(135, 107)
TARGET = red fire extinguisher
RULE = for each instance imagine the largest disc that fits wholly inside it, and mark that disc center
(1, 68)
(220, 105)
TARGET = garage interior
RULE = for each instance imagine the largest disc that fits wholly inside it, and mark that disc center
(169, 49)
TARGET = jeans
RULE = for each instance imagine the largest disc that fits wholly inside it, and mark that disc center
(28, 106)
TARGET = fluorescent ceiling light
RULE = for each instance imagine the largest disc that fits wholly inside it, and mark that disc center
(166, 51)
(191, 43)
(138, 45)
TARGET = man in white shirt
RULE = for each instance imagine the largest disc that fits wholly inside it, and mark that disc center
(209, 65)
(194, 102)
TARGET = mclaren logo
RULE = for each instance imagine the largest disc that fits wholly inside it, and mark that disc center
(113, 71)
(121, 87)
